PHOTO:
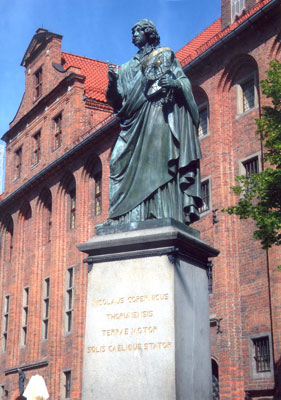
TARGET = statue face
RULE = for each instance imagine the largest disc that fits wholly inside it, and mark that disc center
(139, 37)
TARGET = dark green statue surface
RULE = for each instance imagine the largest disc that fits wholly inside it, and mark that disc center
(154, 167)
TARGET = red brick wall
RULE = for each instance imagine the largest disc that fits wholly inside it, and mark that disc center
(242, 295)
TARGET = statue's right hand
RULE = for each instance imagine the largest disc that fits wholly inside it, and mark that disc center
(112, 74)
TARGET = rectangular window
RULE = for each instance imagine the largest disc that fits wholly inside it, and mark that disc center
(97, 179)
(69, 299)
(11, 243)
(49, 219)
(36, 155)
(203, 122)
(46, 303)
(18, 162)
(2, 392)
(251, 166)
(38, 83)
(72, 196)
(66, 387)
(5, 323)
(248, 93)
(205, 189)
(58, 131)
(262, 354)
(237, 6)
(24, 316)
(210, 277)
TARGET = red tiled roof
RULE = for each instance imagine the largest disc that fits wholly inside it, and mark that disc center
(212, 35)
(203, 37)
(95, 72)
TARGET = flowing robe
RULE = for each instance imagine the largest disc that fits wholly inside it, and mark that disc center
(154, 167)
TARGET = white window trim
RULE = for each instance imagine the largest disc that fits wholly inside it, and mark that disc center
(237, 14)
(66, 298)
(254, 373)
(241, 162)
(200, 108)
(25, 315)
(207, 178)
(44, 318)
(239, 94)
(63, 383)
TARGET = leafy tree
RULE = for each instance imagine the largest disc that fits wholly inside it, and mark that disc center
(260, 194)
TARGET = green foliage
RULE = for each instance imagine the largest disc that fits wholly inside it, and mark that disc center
(260, 194)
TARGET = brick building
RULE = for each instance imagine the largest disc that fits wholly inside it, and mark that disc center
(57, 168)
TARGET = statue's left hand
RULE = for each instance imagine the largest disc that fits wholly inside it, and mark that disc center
(167, 82)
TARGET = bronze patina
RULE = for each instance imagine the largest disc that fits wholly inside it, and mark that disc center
(154, 167)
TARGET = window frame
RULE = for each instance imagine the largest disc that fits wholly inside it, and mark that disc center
(240, 94)
(202, 211)
(243, 161)
(49, 220)
(98, 194)
(18, 162)
(253, 365)
(36, 153)
(201, 107)
(64, 389)
(57, 122)
(242, 7)
(72, 208)
(25, 311)
(69, 300)
(2, 392)
(5, 322)
(45, 308)
(38, 83)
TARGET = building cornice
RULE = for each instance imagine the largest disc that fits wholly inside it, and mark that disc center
(94, 134)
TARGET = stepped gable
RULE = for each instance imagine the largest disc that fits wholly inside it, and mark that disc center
(95, 72)
(212, 35)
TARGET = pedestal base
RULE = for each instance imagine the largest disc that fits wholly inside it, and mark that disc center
(147, 323)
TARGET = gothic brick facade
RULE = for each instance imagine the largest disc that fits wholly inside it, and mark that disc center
(57, 168)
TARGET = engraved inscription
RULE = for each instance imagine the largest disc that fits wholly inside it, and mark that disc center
(136, 331)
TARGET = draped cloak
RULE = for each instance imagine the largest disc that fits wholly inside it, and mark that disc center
(154, 167)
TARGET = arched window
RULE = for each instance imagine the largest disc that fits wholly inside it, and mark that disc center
(202, 102)
(93, 170)
(69, 186)
(242, 73)
(7, 237)
(215, 380)
(45, 199)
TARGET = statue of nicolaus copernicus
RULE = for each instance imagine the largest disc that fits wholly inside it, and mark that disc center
(154, 167)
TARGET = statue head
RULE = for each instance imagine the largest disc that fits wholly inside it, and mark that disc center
(149, 30)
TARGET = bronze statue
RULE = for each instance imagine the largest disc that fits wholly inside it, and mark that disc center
(154, 167)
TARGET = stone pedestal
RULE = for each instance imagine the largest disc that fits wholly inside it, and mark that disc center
(147, 322)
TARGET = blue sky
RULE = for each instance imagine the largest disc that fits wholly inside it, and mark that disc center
(99, 29)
